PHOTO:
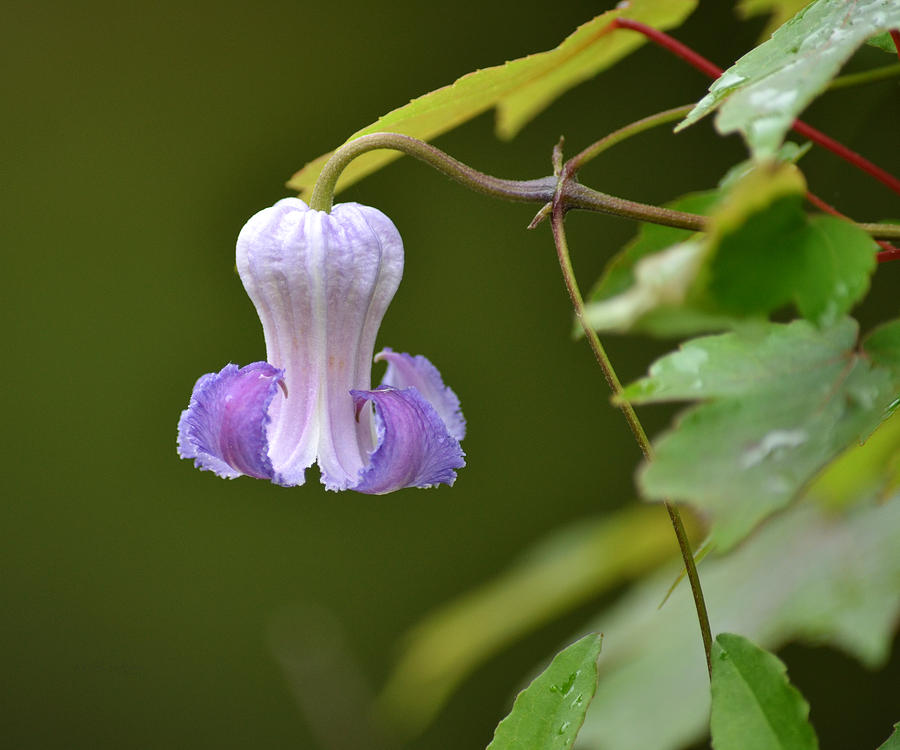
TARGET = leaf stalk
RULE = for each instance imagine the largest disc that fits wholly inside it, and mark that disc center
(557, 219)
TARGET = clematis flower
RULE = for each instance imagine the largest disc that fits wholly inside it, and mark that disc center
(321, 283)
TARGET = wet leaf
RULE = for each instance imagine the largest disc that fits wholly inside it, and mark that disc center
(549, 712)
(778, 404)
(519, 89)
(754, 706)
(779, 10)
(763, 93)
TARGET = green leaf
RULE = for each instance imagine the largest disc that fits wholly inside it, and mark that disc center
(549, 712)
(519, 89)
(761, 252)
(754, 707)
(781, 11)
(863, 472)
(763, 93)
(780, 403)
(883, 42)
(808, 574)
(789, 153)
(892, 742)
(566, 570)
(618, 275)
(883, 346)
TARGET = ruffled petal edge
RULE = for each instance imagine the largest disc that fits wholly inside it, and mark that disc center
(224, 427)
(413, 446)
(406, 370)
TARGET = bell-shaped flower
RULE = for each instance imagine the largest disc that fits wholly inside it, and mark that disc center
(321, 283)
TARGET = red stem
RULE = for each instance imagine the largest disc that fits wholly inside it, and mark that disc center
(895, 35)
(713, 71)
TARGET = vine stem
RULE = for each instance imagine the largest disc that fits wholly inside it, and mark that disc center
(541, 190)
(557, 220)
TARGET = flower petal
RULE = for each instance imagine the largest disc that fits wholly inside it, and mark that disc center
(413, 449)
(404, 371)
(224, 427)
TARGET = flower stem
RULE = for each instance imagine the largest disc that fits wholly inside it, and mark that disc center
(536, 191)
(557, 219)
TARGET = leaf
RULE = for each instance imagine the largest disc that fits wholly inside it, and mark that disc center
(883, 345)
(754, 707)
(781, 11)
(549, 712)
(618, 275)
(519, 89)
(807, 575)
(779, 403)
(567, 569)
(883, 42)
(789, 153)
(761, 252)
(762, 93)
(892, 742)
(841, 590)
(861, 473)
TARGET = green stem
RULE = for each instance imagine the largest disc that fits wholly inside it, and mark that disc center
(533, 191)
(557, 219)
(543, 190)
(882, 231)
(866, 76)
(639, 126)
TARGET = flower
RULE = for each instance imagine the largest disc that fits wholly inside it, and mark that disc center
(321, 283)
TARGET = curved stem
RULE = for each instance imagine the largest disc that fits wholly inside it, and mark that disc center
(534, 191)
(639, 126)
(543, 190)
(557, 218)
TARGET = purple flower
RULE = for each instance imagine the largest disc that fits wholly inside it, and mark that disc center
(321, 283)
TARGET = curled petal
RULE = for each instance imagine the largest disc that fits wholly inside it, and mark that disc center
(224, 427)
(406, 371)
(413, 447)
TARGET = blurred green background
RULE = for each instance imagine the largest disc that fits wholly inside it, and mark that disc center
(144, 602)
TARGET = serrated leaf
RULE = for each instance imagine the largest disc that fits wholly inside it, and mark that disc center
(779, 403)
(519, 89)
(762, 94)
(806, 575)
(892, 742)
(761, 252)
(754, 706)
(565, 570)
(549, 712)
(780, 10)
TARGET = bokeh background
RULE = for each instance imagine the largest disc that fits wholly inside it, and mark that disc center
(143, 602)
